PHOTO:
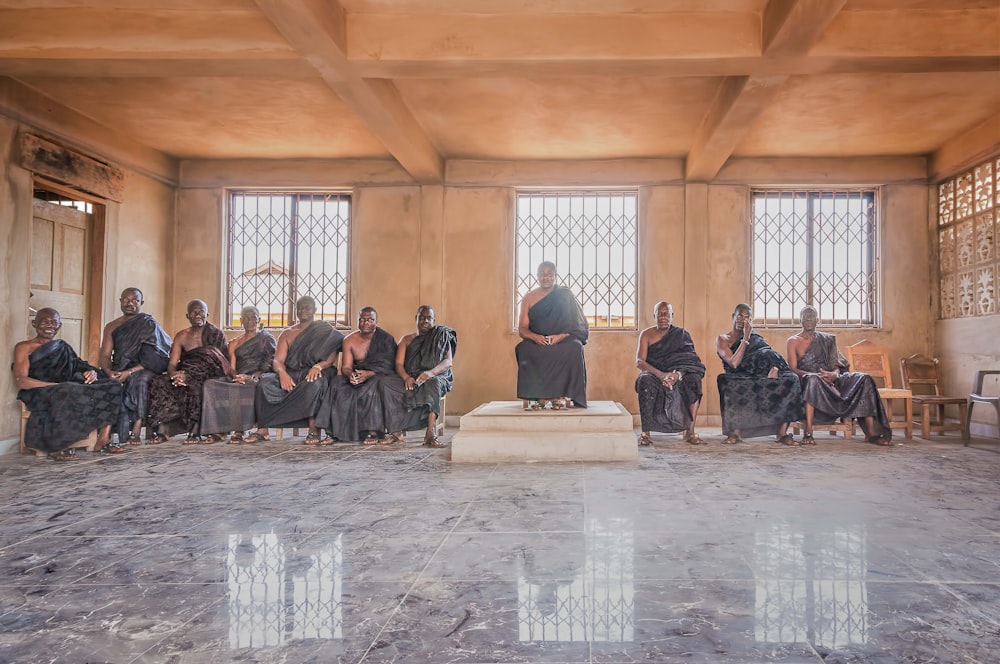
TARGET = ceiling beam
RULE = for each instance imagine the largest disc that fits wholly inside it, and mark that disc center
(317, 30)
(156, 68)
(791, 27)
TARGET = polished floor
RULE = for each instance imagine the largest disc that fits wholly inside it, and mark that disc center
(843, 552)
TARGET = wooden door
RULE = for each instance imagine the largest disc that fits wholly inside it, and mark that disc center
(60, 238)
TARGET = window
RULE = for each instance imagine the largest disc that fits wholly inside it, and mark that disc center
(284, 245)
(968, 208)
(818, 248)
(591, 236)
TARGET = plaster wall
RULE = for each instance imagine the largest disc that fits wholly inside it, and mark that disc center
(965, 345)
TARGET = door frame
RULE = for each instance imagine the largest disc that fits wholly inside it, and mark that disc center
(97, 255)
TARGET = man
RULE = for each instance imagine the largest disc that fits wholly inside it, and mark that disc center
(759, 393)
(669, 382)
(353, 407)
(828, 389)
(65, 395)
(134, 350)
(228, 403)
(423, 367)
(305, 359)
(199, 353)
(551, 370)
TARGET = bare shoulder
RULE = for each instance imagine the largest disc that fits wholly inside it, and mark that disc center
(407, 338)
(352, 339)
(114, 325)
(648, 332)
(23, 348)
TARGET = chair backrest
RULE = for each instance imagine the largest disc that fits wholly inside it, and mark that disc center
(872, 359)
(920, 374)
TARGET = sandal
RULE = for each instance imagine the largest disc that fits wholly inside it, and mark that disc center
(558, 404)
(732, 439)
(236, 438)
(434, 441)
(211, 438)
(387, 440)
(326, 442)
(808, 439)
(880, 440)
(312, 438)
(695, 439)
(370, 439)
(257, 437)
(112, 448)
(157, 439)
(645, 440)
(133, 440)
(192, 440)
(64, 455)
(787, 439)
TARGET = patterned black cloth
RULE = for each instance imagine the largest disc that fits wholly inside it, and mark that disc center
(348, 410)
(66, 413)
(178, 408)
(138, 341)
(752, 402)
(662, 409)
(551, 372)
(277, 408)
(410, 409)
(228, 406)
(852, 395)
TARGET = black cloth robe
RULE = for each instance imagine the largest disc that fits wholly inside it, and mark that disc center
(177, 408)
(140, 340)
(409, 409)
(752, 402)
(552, 372)
(229, 406)
(662, 409)
(349, 410)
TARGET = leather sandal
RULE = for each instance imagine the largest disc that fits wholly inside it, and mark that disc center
(645, 440)
(787, 439)
(433, 441)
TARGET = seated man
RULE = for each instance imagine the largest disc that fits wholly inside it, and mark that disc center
(550, 366)
(669, 382)
(759, 393)
(228, 403)
(134, 350)
(65, 395)
(353, 407)
(828, 389)
(306, 357)
(423, 367)
(199, 353)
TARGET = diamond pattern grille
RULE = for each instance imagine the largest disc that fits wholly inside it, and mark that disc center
(284, 245)
(592, 237)
(815, 247)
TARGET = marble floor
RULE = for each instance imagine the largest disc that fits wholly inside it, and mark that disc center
(843, 552)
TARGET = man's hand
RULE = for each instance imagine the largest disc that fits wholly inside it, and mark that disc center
(422, 378)
(747, 330)
(179, 379)
(287, 384)
(409, 382)
(89, 377)
(670, 379)
(315, 373)
(242, 379)
(828, 376)
(360, 376)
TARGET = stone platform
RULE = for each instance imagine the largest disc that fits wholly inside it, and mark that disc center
(503, 431)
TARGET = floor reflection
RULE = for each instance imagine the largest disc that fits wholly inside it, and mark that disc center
(811, 586)
(279, 592)
(594, 601)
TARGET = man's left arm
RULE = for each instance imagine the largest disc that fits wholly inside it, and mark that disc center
(438, 369)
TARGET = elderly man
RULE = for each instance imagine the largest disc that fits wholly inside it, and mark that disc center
(669, 382)
(423, 368)
(759, 393)
(353, 407)
(199, 353)
(65, 395)
(134, 350)
(828, 389)
(305, 359)
(551, 370)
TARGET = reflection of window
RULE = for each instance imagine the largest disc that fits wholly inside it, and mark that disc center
(286, 245)
(596, 603)
(279, 592)
(818, 248)
(592, 237)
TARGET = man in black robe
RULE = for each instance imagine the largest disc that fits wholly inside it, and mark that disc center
(353, 407)
(423, 376)
(67, 397)
(550, 365)
(305, 359)
(759, 393)
(199, 353)
(134, 350)
(669, 382)
(829, 390)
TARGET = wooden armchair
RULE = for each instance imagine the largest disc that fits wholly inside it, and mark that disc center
(978, 396)
(872, 359)
(920, 374)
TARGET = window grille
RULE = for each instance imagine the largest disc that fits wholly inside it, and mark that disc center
(284, 245)
(592, 237)
(818, 248)
(968, 210)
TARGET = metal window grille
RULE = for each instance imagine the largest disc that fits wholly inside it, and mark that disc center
(284, 245)
(592, 237)
(968, 225)
(818, 248)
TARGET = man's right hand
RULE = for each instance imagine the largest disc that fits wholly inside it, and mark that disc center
(287, 384)
(747, 330)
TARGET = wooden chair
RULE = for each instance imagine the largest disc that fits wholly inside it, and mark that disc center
(847, 428)
(920, 375)
(977, 396)
(872, 359)
(88, 443)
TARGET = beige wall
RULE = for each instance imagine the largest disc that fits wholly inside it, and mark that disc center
(139, 249)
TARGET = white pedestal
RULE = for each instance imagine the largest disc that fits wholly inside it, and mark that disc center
(503, 431)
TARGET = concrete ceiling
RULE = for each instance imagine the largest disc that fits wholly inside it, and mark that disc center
(424, 81)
